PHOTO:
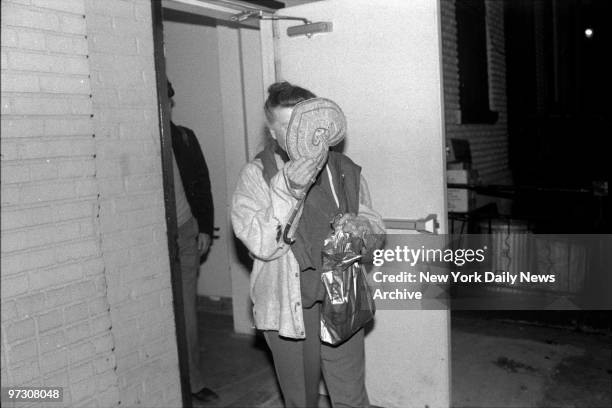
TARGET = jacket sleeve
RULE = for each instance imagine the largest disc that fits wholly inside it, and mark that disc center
(259, 212)
(200, 190)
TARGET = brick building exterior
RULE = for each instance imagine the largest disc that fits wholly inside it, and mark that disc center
(86, 294)
(488, 142)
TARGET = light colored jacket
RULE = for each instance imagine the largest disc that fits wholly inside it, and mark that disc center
(259, 213)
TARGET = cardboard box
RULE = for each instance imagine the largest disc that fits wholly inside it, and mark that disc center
(457, 176)
(460, 199)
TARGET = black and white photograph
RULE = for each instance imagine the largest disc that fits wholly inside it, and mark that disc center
(305, 203)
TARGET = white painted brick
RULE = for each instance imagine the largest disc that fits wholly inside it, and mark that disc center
(128, 361)
(25, 372)
(22, 351)
(112, 44)
(20, 330)
(73, 25)
(9, 149)
(25, 217)
(103, 364)
(57, 297)
(14, 173)
(83, 389)
(74, 210)
(105, 97)
(75, 313)
(29, 127)
(101, 324)
(68, 126)
(19, 83)
(114, 8)
(78, 332)
(87, 229)
(82, 290)
(93, 267)
(81, 352)
(73, 168)
(67, 44)
(3, 59)
(8, 311)
(42, 106)
(143, 183)
(108, 397)
(44, 171)
(10, 195)
(131, 28)
(46, 192)
(86, 187)
(41, 279)
(98, 306)
(21, 17)
(14, 286)
(24, 61)
(144, 46)
(52, 234)
(50, 320)
(103, 343)
(59, 379)
(70, 85)
(8, 37)
(52, 341)
(53, 361)
(47, 149)
(69, 6)
(142, 12)
(99, 24)
(131, 397)
(30, 305)
(81, 371)
(32, 40)
(77, 250)
(7, 105)
(12, 241)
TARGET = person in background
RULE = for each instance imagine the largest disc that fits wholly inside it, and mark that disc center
(286, 286)
(195, 221)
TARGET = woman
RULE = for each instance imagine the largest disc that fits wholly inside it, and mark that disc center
(286, 288)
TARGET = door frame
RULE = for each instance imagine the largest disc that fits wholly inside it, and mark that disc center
(163, 109)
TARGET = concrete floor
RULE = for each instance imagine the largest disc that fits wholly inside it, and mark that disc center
(494, 364)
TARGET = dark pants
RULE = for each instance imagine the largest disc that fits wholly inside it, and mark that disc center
(189, 258)
(299, 364)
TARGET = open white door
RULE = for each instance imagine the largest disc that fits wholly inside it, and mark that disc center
(382, 64)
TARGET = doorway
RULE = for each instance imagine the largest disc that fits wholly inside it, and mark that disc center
(220, 101)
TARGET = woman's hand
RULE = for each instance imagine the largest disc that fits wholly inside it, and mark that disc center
(301, 173)
(355, 224)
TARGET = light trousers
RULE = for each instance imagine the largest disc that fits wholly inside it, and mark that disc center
(189, 258)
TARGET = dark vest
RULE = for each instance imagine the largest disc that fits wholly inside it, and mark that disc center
(319, 209)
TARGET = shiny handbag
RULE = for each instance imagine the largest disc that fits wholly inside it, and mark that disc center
(348, 304)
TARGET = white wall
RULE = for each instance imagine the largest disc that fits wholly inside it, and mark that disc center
(221, 102)
(192, 64)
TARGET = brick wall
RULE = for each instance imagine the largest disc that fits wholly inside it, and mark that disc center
(86, 298)
(55, 314)
(489, 143)
(132, 218)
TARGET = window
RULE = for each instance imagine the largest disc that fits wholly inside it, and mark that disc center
(473, 70)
